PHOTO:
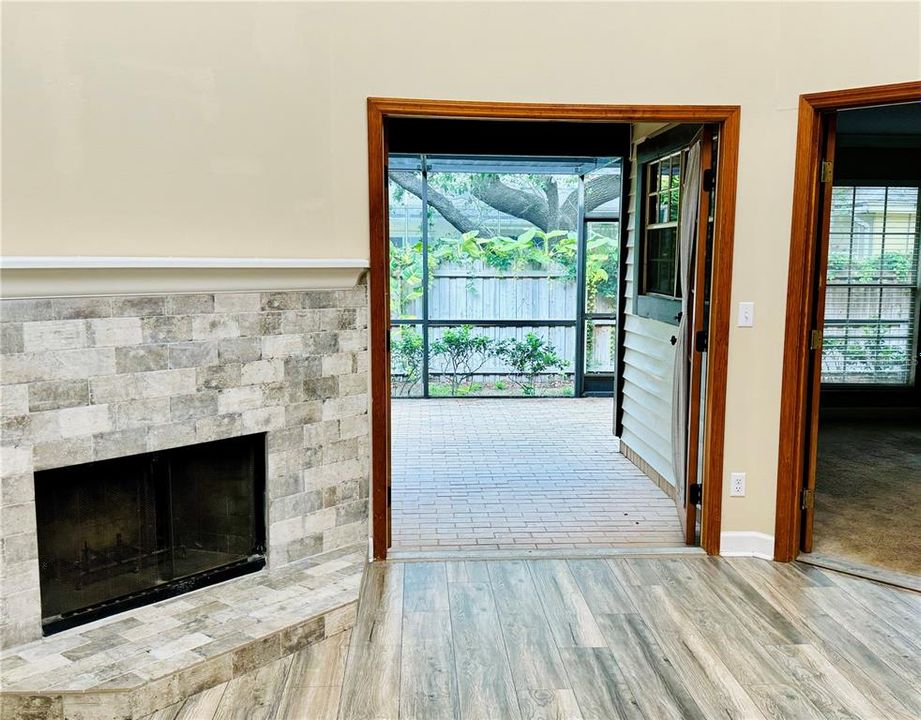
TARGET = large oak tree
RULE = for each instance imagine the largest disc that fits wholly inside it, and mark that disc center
(537, 201)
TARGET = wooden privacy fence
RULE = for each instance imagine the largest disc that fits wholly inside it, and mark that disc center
(457, 292)
(466, 293)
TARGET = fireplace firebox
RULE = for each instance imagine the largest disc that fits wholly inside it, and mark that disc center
(120, 533)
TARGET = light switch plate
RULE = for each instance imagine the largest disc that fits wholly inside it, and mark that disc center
(746, 314)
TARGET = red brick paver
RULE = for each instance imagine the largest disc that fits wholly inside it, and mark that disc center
(531, 473)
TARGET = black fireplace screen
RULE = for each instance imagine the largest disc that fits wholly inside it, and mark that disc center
(119, 533)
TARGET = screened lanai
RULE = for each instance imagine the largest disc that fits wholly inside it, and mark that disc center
(504, 275)
(504, 282)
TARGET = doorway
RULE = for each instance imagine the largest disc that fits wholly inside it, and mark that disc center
(589, 320)
(849, 491)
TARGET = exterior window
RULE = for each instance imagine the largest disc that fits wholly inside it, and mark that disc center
(661, 193)
(871, 300)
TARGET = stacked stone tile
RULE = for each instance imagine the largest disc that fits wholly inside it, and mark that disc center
(130, 665)
(87, 379)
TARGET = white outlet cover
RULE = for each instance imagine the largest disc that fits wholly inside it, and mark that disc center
(737, 485)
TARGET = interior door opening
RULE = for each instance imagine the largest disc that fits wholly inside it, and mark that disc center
(862, 488)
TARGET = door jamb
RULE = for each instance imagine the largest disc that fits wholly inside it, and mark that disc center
(793, 449)
(726, 116)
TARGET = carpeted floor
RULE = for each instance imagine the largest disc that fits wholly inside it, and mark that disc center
(868, 493)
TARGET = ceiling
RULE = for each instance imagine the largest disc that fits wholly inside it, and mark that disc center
(904, 120)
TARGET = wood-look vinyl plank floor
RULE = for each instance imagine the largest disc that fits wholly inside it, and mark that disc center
(302, 686)
(598, 639)
(644, 638)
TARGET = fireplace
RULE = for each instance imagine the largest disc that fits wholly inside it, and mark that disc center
(119, 533)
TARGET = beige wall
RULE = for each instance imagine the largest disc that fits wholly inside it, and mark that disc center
(239, 129)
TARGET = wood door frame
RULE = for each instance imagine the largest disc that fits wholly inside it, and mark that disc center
(793, 444)
(727, 117)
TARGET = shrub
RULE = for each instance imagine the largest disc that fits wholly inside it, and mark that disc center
(462, 354)
(530, 357)
(406, 357)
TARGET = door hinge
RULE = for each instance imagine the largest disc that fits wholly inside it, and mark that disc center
(808, 499)
(815, 340)
(389, 495)
(695, 494)
(708, 181)
(701, 341)
(827, 171)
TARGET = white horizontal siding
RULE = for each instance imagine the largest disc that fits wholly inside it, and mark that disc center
(648, 369)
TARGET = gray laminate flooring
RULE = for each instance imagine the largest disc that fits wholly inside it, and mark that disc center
(599, 639)
(658, 639)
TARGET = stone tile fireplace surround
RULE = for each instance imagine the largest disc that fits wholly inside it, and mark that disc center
(92, 378)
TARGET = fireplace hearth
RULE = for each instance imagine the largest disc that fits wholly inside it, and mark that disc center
(116, 534)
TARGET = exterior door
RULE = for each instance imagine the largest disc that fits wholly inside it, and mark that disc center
(673, 280)
(698, 328)
(807, 499)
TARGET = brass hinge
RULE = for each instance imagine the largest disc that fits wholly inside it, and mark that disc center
(827, 171)
(808, 501)
(815, 340)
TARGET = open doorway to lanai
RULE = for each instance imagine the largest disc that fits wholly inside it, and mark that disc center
(548, 308)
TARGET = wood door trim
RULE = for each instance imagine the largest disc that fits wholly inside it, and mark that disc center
(800, 296)
(726, 116)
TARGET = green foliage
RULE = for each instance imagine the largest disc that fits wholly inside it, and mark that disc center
(602, 259)
(892, 267)
(446, 390)
(407, 352)
(533, 248)
(865, 355)
(461, 354)
(439, 390)
(470, 389)
(530, 357)
(838, 266)
(405, 277)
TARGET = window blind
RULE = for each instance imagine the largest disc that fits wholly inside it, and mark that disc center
(871, 301)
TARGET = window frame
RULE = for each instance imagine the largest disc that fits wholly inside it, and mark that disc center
(911, 384)
(656, 306)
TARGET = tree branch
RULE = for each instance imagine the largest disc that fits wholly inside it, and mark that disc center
(512, 201)
(597, 191)
(552, 191)
(412, 183)
(540, 211)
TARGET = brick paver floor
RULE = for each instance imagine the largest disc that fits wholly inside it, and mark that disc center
(530, 473)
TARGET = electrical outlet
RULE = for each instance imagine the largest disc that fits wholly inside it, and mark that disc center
(746, 314)
(737, 485)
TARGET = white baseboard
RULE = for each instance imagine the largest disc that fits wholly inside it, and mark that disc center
(747, 544)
